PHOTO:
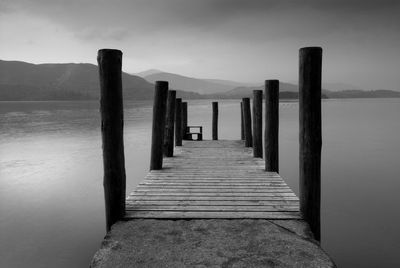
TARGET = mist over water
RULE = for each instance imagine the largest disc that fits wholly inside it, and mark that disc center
(51, 193)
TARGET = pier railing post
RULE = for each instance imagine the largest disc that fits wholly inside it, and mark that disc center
(310, 136)
(184, 119)
(178, 122)
(215, 120)
(271, 138)
(112, 121)
(170, 124)
(241, 122)
(257, 123)
(157, 136)
(247, 122)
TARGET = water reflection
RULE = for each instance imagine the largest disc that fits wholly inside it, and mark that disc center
(51, 196)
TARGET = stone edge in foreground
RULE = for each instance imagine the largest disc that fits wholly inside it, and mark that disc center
(210, 243)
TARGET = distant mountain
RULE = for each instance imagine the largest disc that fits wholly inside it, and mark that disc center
(231, 83)
(148, 72)
(248, 91)
(185, 83)
(339, 86)
(69, 81)
(290, 91)
(355, 93)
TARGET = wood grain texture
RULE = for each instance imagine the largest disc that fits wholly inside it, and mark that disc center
(158, 126)
(112, 124)
(215, 120)
(213, 179)
(248, 136)
(257, 123)
(271, 134)
(184, 119)
(170, 124)
(310, 136)
(178, 122)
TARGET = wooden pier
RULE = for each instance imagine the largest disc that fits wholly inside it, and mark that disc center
(213, 202)
(213, 179)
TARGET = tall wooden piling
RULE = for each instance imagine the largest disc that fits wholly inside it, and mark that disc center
(247, 122)
(178, 122)
(158, 129)
(241, 122)
(215, 120)
(310, 136)
(257, 123)
(184, 119)
(170, 124)
(112, 121)
(271, 135)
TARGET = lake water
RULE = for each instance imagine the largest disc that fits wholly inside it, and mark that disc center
(51, 195)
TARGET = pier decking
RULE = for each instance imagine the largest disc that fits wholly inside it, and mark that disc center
(213, 179)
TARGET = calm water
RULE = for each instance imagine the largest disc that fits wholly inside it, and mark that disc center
(51, 196)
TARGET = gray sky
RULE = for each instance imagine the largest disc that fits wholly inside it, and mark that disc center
(243, 40)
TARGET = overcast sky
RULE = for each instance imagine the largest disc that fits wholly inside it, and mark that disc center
(243, 40)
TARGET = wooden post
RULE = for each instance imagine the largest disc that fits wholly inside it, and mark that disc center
(184, 119)
(178, 122)
(241, 122)
(157, 136)
(247, 122)
(170, 124)
(271, 135)
(215, 120)
(112, 125)
(257, 123)
(310, 136)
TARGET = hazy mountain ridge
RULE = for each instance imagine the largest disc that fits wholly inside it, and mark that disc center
(71, 81)
(201, 86)
(65, 81)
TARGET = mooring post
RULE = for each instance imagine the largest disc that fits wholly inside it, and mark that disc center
(247, 122)
(112, 121)
(257, 123)
(241, 122)
(178, 122)
(158, 129)
(184, 119)
(310, 136)
(271, 135)
(170, 124)
(215, 120)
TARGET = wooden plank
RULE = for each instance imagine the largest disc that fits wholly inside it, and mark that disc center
(214, 194)
(211, 190)
(206, 187)
(211, 215)
(218, 179)
(208, 183)
(211, 198)
(213, 202)
(212, 208)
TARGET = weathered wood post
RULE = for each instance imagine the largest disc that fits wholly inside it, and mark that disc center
(241, 122)
(184, 119)
(271, 135)
(158, 129)
(257, 123)
(215, 120)
(170, 124)
(310, 136)
(247, 122)
(112, 124)
(178, 122)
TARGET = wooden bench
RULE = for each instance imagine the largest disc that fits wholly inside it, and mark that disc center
(189, 134)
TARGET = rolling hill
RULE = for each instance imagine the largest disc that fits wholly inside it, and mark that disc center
(69, 81)
(202, 86)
